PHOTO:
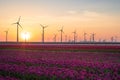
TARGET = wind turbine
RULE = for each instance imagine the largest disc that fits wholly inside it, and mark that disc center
(18, 25)
(54, 37)
(74, 36)
(6, 34)
(43, 27)
(112, 39)
(61, 30)
(93, 37)
(85, 36)
(90, 38)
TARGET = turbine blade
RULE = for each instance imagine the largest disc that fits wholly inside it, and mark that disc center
(19, 19)
(14, 23)
(20, 26)
(62, 29)
(46, 26)
(85, 32)
(41, 25)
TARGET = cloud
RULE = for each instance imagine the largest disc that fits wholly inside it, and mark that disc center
(72, 12)
(91, 14)
(84, 15)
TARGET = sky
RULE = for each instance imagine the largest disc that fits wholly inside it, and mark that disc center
(101, 17)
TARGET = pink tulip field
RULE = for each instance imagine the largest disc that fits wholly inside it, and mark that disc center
(59, 62)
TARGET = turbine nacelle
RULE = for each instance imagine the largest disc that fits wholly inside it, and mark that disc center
(85, 33)
(74, 32)
(43, 26)
(61, 30)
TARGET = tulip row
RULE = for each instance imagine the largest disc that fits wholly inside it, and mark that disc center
(63, 47)
(49, 65)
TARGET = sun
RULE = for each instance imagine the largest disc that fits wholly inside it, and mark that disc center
(25, 36)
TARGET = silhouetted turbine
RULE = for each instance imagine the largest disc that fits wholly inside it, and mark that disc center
(93, 37)
(112, 39)
(85, 37)
(74, 35)
(43, 27)
(61, 30)
(6, 34)
(18, 25)
(54, 37)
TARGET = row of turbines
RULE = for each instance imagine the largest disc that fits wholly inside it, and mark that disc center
(19, 25)
(92, 36)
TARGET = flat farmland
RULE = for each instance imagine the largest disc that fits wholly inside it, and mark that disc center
(59, 62)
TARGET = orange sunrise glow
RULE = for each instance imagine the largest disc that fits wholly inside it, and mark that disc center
(101, 18)
(59, 39)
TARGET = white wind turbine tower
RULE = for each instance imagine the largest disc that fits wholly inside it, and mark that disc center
(6, 34)
(18, 25)
(74, 36)
(43, 27)
(61, 30)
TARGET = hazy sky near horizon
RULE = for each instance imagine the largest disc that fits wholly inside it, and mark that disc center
(99, 16)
